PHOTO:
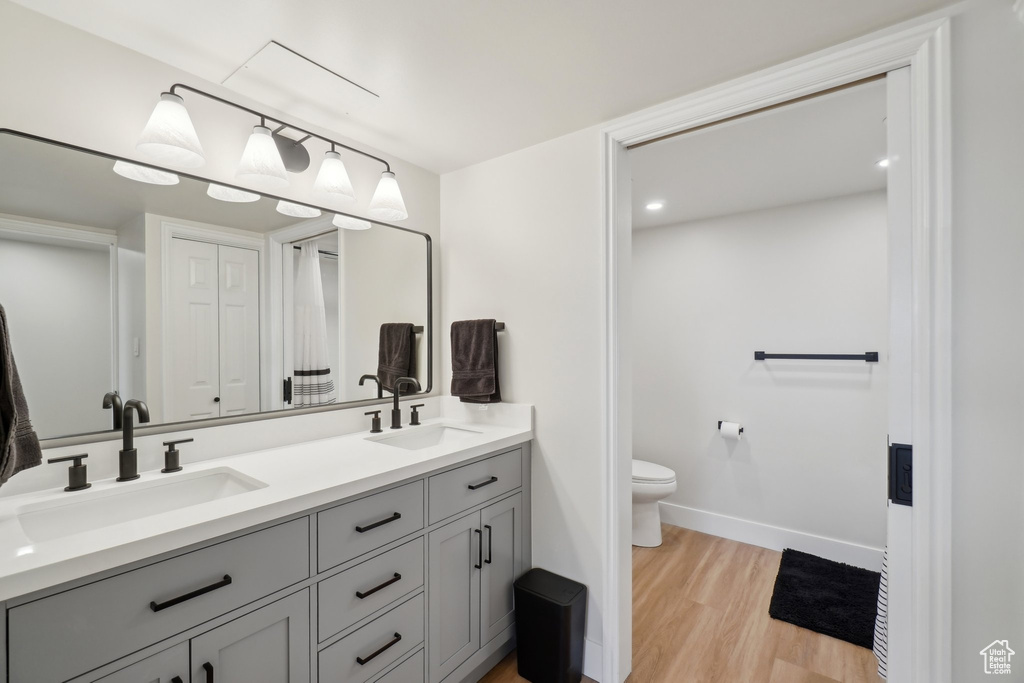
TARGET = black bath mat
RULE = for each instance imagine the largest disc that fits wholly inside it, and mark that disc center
(827, 597)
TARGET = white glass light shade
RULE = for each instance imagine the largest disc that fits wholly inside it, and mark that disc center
(169, 137)
(387, 203)
(261, 162)
(230, 194)
(349, 223)
(333, 180)
(143, 174)
(297, 210)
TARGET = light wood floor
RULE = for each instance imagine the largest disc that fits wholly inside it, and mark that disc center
(700, 615)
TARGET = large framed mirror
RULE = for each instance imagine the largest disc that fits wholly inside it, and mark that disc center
(203, 300)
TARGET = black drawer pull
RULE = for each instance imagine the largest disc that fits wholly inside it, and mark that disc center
(396, 577)
(474, 487)
(490, 538)
(208, 668)
(361, 661)
(177, 679)
(158, 606)
(393, 518)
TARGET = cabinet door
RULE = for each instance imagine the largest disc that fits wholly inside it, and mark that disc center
(454, 557)
(503, 563)
(168, 666)
(269, 645)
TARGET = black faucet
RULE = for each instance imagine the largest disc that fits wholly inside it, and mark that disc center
(396, 412)
(112, 400)
(380, 389)
(129, 456)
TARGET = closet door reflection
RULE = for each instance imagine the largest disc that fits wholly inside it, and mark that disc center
(214, 317)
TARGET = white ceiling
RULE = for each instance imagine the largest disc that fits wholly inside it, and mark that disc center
(462, 81)
(827, 146)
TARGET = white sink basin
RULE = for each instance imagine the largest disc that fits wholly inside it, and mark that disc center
(425, 437)
(90, 510)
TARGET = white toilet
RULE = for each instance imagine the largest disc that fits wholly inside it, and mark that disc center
(651, 483)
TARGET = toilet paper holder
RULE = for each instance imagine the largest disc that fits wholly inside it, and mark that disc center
(720, 426)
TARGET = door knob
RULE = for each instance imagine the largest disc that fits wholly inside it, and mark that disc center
(216, 399)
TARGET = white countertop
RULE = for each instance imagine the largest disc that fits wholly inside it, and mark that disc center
(297, 477)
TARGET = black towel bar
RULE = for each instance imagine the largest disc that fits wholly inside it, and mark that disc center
(869, 357)
(500, 327)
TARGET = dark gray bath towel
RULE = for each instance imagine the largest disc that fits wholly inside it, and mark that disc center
(19, 446)
(396, 356)
(475, 361)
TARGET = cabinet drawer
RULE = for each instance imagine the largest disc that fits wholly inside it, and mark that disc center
(409, 671)
(355, 528)
(379, 581)
(339, 663)
(462, 488)
(60, 636)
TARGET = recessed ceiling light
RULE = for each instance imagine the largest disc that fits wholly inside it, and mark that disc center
(882, 163)
(655, 206)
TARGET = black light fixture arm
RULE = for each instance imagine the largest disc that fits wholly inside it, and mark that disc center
(284, 124)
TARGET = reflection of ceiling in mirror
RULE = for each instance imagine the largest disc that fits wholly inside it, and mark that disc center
(51, 183)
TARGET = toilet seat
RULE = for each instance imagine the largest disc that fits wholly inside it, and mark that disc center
(651, 473)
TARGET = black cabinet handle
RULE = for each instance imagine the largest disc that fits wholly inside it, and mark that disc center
(474, 487)
(490, 538)
(396, 577)
(479, 550)
(393, 518)
(158, 606)
(216, 399)
(361, 661)
(208, 668)
(177, 679)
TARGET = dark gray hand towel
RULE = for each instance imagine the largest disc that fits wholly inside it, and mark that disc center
(19, 445)
(475, 361)
(396, 355)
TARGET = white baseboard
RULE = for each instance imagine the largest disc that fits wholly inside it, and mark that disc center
(593, 660)
(771, 537)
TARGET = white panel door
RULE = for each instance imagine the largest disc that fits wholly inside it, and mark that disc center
(239, 318)
(194, 378)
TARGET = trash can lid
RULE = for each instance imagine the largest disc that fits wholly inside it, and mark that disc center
(553, 587)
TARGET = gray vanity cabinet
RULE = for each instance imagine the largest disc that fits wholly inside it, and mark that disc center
(168, 666)
(473, 563)
(270, 644)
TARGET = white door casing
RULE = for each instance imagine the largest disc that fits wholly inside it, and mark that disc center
(923, 45)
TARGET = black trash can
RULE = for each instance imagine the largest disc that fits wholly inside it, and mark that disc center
(551, 615)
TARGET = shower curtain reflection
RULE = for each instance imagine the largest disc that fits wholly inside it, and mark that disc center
(313, 385)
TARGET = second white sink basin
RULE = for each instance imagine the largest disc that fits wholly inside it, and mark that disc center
(89, 510)
(417, 438)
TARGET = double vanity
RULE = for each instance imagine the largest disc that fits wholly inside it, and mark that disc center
(366, 557)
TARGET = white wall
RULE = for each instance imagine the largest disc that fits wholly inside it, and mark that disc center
(988, 326)
(58, 303)
(808, 278)
(522, 244)
(131, 307)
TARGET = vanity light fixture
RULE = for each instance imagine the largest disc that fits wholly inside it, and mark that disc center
(297, 210)
(882, 163)
(230, 194)
(169, 136)
(349, 223)
(387, 203)
(332, 179)
(144, 174)
(261, 163)
(655, 206)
